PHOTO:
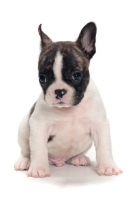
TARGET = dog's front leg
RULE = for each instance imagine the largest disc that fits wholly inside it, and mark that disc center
(102, 142)
(39, 166)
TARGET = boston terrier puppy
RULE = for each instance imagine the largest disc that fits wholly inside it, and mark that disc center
(69, 114)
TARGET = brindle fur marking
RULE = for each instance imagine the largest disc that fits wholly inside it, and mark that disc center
(51, 138)
(32, 109)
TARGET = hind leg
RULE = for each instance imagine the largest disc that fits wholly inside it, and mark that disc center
(23, 140)
(79, 160)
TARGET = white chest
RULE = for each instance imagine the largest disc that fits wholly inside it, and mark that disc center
(70, 138)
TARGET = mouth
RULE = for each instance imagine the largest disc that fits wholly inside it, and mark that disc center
(60, 104)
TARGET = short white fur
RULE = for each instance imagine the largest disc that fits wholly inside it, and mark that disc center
(57, 67)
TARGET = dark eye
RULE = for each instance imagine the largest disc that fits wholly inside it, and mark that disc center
(42, 79)
(77, 76)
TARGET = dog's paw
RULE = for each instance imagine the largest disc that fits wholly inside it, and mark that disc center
(108, 169)
(22, 164)
(38, 172)
(80, 160)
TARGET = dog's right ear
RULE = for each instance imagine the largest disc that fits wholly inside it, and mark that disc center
(44, 38)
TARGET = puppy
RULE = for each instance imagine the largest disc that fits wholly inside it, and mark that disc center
(69, 114)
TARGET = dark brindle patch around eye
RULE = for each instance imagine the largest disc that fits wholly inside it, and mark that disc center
(48, 72)
(45, 66)
(74, 60)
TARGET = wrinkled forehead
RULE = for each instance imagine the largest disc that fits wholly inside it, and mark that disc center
(72, 56)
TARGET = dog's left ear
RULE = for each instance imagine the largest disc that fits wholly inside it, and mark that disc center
(44, 38)
(87, 38)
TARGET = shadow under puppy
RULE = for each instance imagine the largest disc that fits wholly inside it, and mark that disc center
(69, 114)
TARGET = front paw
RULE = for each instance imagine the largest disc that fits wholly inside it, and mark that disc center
(38, 172)
(108, 169)
(22, 164)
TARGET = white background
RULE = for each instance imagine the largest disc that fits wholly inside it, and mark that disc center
(111, 69)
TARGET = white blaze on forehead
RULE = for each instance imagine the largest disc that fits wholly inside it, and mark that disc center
(58, 66)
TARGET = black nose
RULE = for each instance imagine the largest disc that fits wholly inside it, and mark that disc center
(60, 93)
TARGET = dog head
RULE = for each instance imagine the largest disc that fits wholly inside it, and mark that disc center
(63, 67)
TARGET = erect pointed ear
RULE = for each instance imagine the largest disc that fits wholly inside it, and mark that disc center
(44, 38)
(87, 38)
